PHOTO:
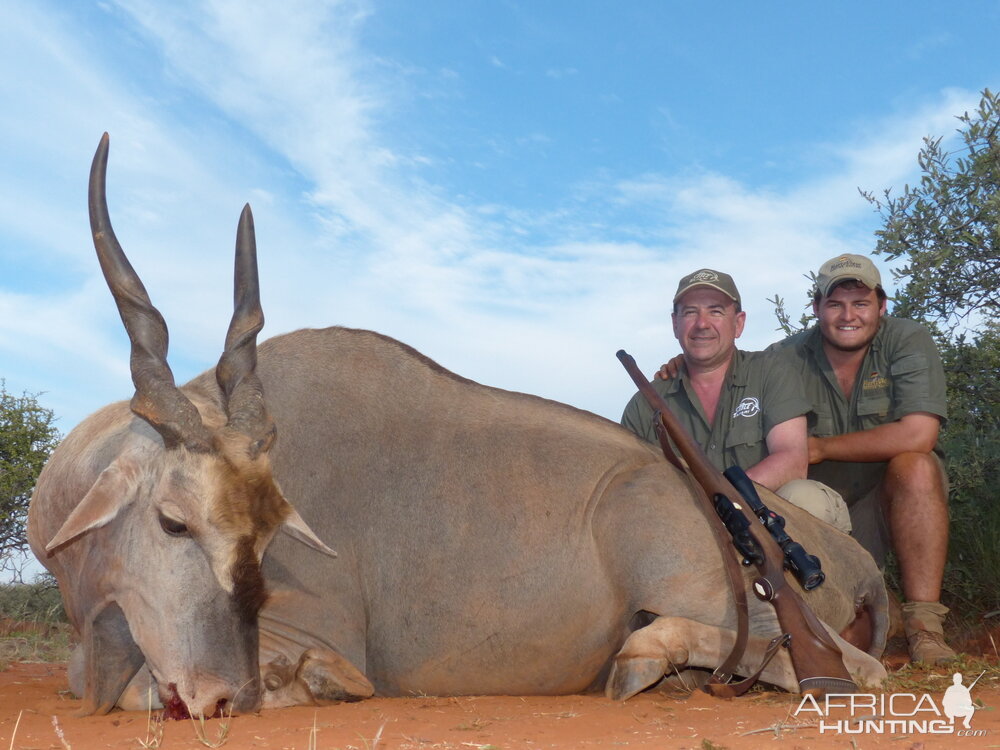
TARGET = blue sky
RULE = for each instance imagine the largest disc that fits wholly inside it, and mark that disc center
(514, 188)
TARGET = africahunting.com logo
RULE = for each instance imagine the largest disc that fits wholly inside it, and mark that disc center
(895, 713)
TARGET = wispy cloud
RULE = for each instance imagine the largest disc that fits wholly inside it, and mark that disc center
(351, 227)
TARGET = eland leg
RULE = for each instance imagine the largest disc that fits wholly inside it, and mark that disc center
(670, 643)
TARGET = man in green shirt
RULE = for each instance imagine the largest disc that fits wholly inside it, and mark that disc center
(877, 389)
(743, 408)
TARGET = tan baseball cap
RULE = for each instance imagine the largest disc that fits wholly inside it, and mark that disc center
(844, 268)
(707, 277)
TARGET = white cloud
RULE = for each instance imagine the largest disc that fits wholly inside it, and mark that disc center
(346, 235)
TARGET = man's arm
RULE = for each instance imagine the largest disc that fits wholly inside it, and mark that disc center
(637, 417)
(788, 455)
(912, 433)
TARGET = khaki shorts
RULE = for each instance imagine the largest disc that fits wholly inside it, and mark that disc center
(870, 527)
(821, 501)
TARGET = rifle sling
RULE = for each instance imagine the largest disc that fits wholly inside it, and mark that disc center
(736, 689)
(724, 673)
(816, 658)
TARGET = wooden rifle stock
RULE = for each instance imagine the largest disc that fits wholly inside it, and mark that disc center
(816, 658)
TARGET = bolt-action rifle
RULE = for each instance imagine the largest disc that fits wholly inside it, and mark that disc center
(806, 568)
(816, 658)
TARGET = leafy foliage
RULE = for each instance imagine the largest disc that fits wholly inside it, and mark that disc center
(971, 440)
(27, 437)
(786, 325)
(33, 624)
(947, 228)
(947, 231)
(37, 602)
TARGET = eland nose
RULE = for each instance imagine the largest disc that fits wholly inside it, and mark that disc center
(210, 698)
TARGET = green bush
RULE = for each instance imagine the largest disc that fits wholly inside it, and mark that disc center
(32, 602)
(945, 230)
(971, 440)
(33, 624)
(27, 438)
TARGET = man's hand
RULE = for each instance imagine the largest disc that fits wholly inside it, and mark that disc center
(815, 450)
(913, 433)
(669, 370)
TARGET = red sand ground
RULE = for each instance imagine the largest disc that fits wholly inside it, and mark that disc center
(38, 712)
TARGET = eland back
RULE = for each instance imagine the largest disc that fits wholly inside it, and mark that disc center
(486, 542)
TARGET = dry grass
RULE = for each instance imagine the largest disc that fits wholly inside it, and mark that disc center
(45, 642)
(917, 678)
(33, 625)
(16, 725)
(154, 726)
(221, 733)
(60, 734)
(313, 735)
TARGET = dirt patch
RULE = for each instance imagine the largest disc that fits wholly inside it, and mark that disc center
(33, 697)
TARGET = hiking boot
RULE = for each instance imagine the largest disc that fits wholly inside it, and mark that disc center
(922, 623)
(928, 647)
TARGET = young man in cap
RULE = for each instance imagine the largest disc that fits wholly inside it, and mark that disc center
(743, 408)
(877, 390)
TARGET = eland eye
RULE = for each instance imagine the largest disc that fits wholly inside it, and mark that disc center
(172, 527)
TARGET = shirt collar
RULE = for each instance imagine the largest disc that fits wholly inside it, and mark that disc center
(735, 376)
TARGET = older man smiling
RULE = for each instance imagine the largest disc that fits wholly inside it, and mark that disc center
(743, 408)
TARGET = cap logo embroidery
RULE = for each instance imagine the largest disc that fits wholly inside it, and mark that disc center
(844, 263)
(704, 276)
(748, 407)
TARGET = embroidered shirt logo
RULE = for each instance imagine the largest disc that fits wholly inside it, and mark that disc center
(875, 382)
(748, 407)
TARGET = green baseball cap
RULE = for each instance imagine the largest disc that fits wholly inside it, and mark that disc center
(707, 277)
(847, 268)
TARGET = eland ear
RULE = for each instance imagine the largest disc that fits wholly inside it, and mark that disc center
(296, 527)
(110, 494)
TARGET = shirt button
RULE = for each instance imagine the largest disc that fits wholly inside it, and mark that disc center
(713, 446)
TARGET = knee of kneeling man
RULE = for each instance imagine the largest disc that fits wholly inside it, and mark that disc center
(916, 471)
(915, 461)
(819, 500)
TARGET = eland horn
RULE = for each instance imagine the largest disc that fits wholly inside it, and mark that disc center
(236, 371)
(157, 398)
